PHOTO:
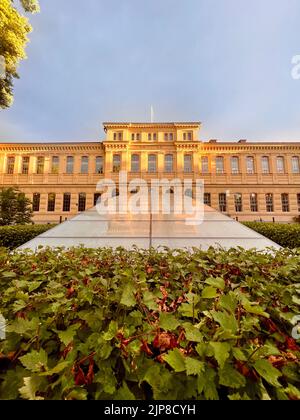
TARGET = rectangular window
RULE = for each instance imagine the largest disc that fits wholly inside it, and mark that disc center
(40, 163)
(204, 164)
(188, 135)
(295, 165)
(138, 137)
(154, 136)
(55, 164)
(220, 164)
(118, 136)
(84, 164)
(285, 203)
(298, 202)
(222, 202)
(152, 163)
(25, 165)
(265, 165)
(280, 164)
(269, 203)
(10, 165)
(135, 163)
(97, 196)
(207, 199)
(168, 163)
(166, 136)
(187, 164)
(116, 163)
(250, 165)
(149, 136)
(132, 137)
(36, 198)
(99, 165)
(81, 201)
(238, 202)
(67, 202)
(171, 136)
(70, 164)
(234, 165)
(253, 202)
(51, 202)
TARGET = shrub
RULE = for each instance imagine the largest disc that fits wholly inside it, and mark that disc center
(103, 324)
(13, 236)
(286, 235)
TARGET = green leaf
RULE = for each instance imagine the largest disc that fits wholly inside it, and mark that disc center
(31, 386)
(112, 331)
(216, 282)
(150, 300)
(227, 321)
(229, 302)
(176, 360)
(168, 321)
(128, 298)
(8, 274)
(209, 292)
(192, 333)
(228, 376)
(194, 366)
(67, 336)
(57, 369)
(35, 361)
(221, 352)
(267, 371)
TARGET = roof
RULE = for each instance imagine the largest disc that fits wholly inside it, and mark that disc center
(191, 124)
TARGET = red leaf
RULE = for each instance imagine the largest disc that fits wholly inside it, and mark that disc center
(145, 348)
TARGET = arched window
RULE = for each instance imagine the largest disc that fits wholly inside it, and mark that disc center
(135, 163)
(265, 165)
(152, 163)
(235, 165)
(169, 163)
(280, 164)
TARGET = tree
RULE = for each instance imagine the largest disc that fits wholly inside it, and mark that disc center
(14, 30)
(15, 208)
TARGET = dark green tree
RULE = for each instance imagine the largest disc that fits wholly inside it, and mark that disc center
(15, 208)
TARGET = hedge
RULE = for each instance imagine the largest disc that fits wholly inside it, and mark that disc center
(13, 236)
(286, 235)
(104, 324)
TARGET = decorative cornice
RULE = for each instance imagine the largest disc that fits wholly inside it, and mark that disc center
(51, 147)
(127, 125)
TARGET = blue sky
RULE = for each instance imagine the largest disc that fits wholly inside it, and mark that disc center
(226, 63)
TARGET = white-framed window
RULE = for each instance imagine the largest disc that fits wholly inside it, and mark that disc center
(116, 163)
(55, 165)
(269, 202)
(238, 202)
(99, 165)
(204, 164)
(188, 164)
(222, 202)
(253, 202)
(295, 165)
(135, 163)
(280, 164)
(84, 164)
(220, 164)
(250, 168)
(152, 163)
(70, 164)
(285, 203)
(265, 164)
(234, 165)
(169, 163)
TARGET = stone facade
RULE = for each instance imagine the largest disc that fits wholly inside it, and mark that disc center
(248, 181)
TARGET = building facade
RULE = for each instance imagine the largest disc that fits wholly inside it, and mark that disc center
(247, 181)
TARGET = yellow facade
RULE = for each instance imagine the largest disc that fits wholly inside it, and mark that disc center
(248, 181)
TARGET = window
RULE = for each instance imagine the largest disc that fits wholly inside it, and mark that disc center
(250, 165)
(222, 202)
(269, 203)
(207, 199)
(40, 165)
(166, 136)
(295, 165)
(238, 202)
(138, 137)
(99, 165)
(10, 165)
(204, 164)
(152, 136)
(152, 163)
(187, 163)
(234, 165)
(70, 164)
(265, 165)
(168, 163)
(118, 136)
(81, 201)
(169, 136)
(149, 136)
(116, 163)
(97, 197)
(220, 164)
(253, 202)
(51, 202)
(135, 163)
(36, 198)
(84, 164)
(285, 203)
(298, 202)
(188, 136)
(55, 165)
(280, 164)
(67, 202)
(25, 165)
